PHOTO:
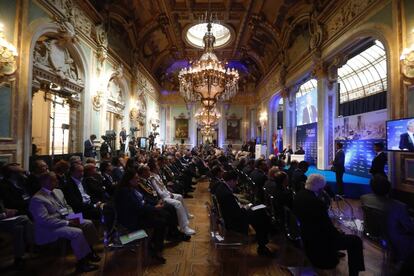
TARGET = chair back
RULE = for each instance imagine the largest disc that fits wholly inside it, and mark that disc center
(374, 225)
(108, 220)
(292, 225)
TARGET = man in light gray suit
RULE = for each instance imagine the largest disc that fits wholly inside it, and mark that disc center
(49, 210)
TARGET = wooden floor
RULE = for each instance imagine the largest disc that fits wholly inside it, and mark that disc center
(198, 257)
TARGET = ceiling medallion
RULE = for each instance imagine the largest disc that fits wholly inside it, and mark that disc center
(194, 35)
(208, 79)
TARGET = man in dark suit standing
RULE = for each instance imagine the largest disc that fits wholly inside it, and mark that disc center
(407, 139)
(237, 218)
(309, 114)
(338, 166)
(321, 239)
(89, 150)
(122, 139)
(379, 161)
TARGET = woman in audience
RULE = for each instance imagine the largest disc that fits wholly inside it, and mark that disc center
(134, 213)
(175, 200)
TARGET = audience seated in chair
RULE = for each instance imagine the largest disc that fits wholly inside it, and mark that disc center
(321, 239)
(399, 226)
(298, 176)
(278, 187)
(167, 210)
(134, 213)
(238, 218)
(216, 176)
(108, 183)
(49, 210)
(61, 169)
(173, 199)
(258, 175)
(14, 188)
(39, 167)
(21, 228)
(77, 197)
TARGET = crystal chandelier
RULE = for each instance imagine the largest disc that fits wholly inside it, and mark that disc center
(207, 131)
(207, 116)
(207, 79)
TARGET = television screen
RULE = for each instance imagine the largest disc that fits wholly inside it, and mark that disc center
(143, 143)
(307, 108)
(400, 135)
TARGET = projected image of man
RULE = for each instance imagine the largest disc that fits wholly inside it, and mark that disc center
(309, 114)
(407, 139)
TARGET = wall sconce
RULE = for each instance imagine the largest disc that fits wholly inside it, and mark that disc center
(8, 54)
(407, 62)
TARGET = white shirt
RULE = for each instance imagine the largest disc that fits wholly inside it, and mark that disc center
(85, 197)
(411, 136)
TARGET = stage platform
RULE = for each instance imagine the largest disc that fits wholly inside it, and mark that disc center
(354, 186)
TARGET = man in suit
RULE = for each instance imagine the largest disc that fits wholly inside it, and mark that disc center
(14, 189)
(259, 177)
(379, 161)
(122, 139)
(338, 165)
(321, 239)
(49, 209)
(20, 227)
(407, 139)
(89, 148)
(237, 218)
(299, 178)
(77, 195)
(309, 114)
(399, 225)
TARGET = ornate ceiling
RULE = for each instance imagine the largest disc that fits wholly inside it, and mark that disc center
(153, 31)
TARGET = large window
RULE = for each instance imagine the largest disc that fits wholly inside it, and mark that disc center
(364, 74)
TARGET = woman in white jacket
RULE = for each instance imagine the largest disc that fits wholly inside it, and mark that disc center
(174, 199)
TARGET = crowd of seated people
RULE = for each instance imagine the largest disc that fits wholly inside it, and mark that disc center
(68, 202)
(290, 188)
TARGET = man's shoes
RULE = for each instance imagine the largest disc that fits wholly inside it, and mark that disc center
(159, 259)
(94, 258)
(264, 251)
(188, 231)
(84, 266)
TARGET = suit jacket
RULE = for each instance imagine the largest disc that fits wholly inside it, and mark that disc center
(309, 118)
(318, 232)
(89, 149)
(74, 198)
(258, 177)
(13, 196)
(406, 143)
(339, 161)
(234, 217)
(44, 209)
(131, 208)
(378, 164)
(298, 180)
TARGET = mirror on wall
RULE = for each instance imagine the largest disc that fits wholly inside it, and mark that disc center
(5, 110)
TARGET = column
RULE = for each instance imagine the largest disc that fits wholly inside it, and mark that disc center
(326, 117)
(253, 126)
(193, 125)
(289, 121)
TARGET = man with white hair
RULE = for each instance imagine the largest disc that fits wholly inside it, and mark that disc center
(320, 238)
(407, 139)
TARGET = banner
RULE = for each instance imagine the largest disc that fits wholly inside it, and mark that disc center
(306, 137)
(358, 133)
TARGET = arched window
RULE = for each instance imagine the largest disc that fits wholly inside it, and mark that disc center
(364, 74)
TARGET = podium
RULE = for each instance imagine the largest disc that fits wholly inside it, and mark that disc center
(260, 149)
(297, 157)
